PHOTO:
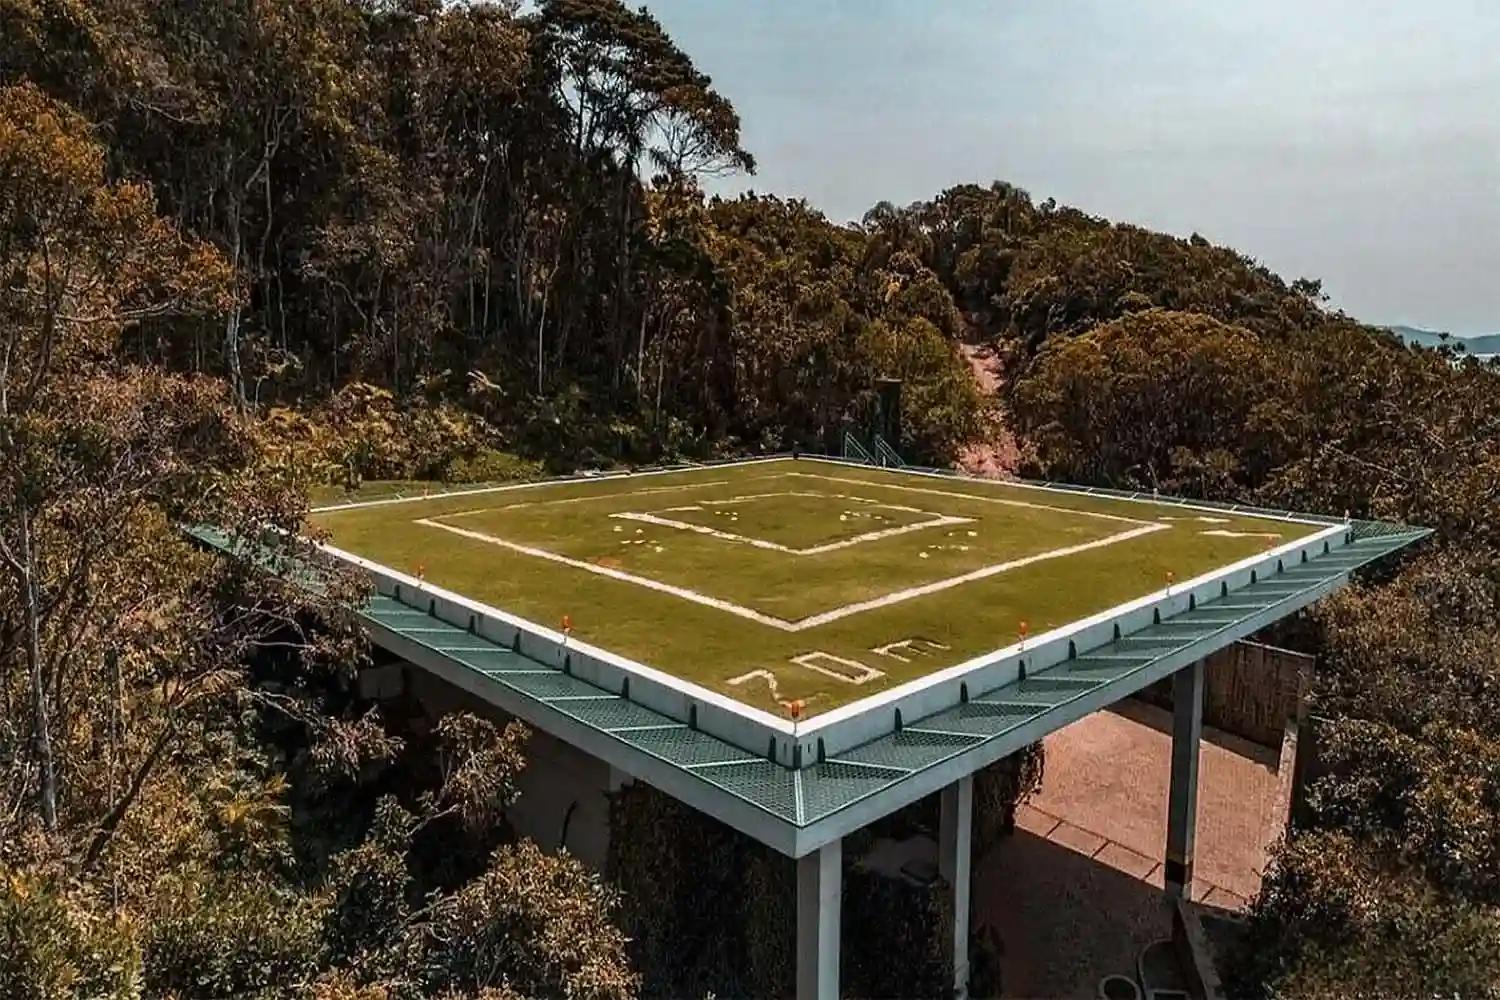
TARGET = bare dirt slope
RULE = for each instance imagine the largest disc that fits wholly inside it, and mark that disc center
(998, 454)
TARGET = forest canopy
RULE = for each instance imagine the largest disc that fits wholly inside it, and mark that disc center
(258, 247)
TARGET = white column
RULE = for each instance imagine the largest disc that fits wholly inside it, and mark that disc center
(820, 892)
(1182, 807)
(955, 837)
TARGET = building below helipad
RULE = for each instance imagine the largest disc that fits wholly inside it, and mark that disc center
(818, 644)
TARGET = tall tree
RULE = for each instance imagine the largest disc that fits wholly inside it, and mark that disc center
(107, 615)
(630, 92)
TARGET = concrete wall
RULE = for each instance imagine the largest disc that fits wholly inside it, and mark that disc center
(564, 800)
(1252, 690)
(563, 791)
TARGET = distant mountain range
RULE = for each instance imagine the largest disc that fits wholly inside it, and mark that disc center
(1482, 344)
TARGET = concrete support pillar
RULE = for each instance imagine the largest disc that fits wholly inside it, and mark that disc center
(1182, 807)
(820, 892)
(955, 838)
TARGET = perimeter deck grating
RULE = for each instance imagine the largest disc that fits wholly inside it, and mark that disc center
(823, 789)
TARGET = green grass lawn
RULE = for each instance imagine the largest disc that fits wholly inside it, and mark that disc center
(717, 573)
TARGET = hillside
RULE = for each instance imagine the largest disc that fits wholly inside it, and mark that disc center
(257, 251)
(1476, 345)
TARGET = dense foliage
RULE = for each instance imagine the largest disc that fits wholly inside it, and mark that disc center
(251, 247)
(1387, 885)
(193, 805)
(720, 915)
(1141, 360)
(442, 198)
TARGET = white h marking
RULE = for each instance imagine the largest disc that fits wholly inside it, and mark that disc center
(812, 621)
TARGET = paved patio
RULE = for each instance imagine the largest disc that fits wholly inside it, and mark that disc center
(1076, 893)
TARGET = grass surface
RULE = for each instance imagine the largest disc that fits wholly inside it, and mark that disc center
(711, 574)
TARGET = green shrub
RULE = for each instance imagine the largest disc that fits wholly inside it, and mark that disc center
(770, 918)
(52, 947)
(1337, 919)
(894, 936)
(998, 790)
(488, 465)
(371, 889)
(364, 432)
(682, 876)
(535, 923)
(220, 936)
(709, 910)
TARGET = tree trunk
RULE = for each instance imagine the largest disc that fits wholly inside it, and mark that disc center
(41, 733)
(489, 283)
(541, 340)
(661, 376)
(622, 278)
(232, 322)
(112, 820)
(640, 360)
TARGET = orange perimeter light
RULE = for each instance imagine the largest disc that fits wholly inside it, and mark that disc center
(421, 572)
(567, 624)
(796, 707)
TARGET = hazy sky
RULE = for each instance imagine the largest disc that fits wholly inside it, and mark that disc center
(1357, 142)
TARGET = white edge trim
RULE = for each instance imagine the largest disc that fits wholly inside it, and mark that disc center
(560, 641)
(1073, 491)
(601, 477)
(685, 785)
(859, 813)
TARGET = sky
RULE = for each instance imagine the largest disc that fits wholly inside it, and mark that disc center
(1355, 141)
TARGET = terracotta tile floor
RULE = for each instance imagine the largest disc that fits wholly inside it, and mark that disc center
(1106, 780)
(1075, 893)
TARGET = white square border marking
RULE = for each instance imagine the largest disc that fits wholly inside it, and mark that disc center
(858, 721)
(933, 520)
(811, 621)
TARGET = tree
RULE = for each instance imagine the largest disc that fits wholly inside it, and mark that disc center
(1337, 919)
(533, 923)
(91, 457)
(1162, 400)
(625, 84)
(387, 239)
(1386, 883)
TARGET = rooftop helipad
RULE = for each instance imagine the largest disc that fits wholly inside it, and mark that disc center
(797, 586)
(669, 622)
